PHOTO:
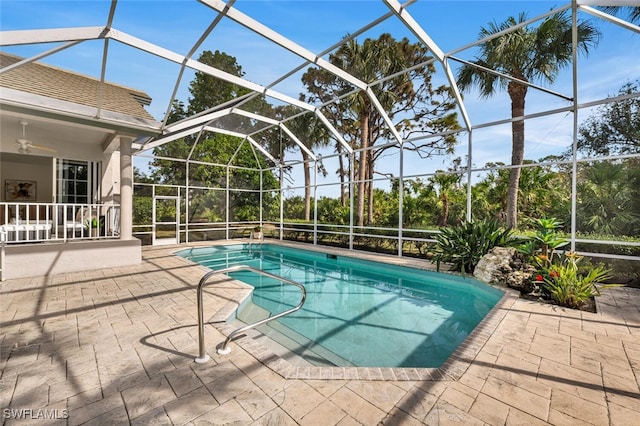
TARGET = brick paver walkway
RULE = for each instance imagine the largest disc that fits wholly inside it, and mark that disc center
(117, 346)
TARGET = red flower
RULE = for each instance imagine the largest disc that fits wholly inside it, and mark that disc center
(554, 274)
(539, 277)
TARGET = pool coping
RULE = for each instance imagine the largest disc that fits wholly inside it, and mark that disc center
(452, 369)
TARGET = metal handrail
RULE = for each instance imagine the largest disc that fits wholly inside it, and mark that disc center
(223, 350)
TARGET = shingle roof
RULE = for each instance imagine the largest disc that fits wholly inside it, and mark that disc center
(45, 80)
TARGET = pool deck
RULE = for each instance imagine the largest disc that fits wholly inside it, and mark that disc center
(117, 346)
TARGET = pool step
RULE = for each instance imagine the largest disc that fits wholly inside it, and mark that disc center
(226, 262)
(222, 261)
(288, 343)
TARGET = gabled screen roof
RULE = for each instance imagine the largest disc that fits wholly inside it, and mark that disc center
(154, 48)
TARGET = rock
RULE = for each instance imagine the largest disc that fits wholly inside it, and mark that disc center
(506, 267)
(492, 263)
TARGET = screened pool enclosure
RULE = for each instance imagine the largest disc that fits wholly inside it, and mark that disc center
(369, 124)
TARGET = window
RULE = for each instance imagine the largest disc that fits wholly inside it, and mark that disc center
(78, 182)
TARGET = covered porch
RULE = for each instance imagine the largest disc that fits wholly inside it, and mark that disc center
(66, 170)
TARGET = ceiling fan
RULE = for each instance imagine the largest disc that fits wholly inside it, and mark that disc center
(25, 145)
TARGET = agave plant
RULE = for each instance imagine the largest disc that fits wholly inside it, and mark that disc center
(463, 246)
(546, 236)
(541, 249)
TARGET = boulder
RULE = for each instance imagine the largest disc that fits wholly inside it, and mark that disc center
(506, 267)
(493, 263)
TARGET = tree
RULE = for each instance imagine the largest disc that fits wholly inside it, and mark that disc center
(409, 99)
(419, 204)
(208, 92)
(445, 185)
(542, 192)
(609, 191)
(605, 199)
(142, 201)
(615, 128)
(313, 134)
(632, 12)
(527, 54)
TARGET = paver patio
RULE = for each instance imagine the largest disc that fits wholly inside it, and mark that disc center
(117, 346)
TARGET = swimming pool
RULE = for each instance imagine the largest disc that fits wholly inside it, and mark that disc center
(358, 312)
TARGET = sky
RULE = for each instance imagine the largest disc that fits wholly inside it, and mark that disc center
(316, 25)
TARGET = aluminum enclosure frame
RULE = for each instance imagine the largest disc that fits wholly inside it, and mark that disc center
(202, 123)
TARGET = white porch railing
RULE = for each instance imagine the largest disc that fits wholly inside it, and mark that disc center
(2, 244)
(38, 222)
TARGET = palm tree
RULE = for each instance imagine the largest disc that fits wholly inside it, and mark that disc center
(410, 95)
(606, 200)
(365, 61)
(526, 54)
(313, 134)
(632, 12)
(444, 185)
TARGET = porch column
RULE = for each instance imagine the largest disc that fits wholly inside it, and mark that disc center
(126, 189)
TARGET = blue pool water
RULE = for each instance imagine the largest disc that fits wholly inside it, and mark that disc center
(358, 313)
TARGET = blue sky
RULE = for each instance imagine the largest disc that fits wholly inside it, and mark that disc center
(315, 25)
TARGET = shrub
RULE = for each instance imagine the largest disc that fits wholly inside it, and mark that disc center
(464, 245)
(568, 286)
(541, 248)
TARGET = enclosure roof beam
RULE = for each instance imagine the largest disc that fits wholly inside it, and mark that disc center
(456, 93)
(193, 123)
(20, 37)
(163, 140)
(225, 132)
(421, 34)
(195, 143)
(495, 35)
(53, 35)
(204, 116)
(610, 18)
(348, 37)
(206, 69)
(39, 56)
(262, 150)
(287, 44)
(282, 41)
(235, 154)
(384, 115)
(333, 131)
(512, 78)
(189, 54)
(297, 141)
(254, 116)
(404, 16)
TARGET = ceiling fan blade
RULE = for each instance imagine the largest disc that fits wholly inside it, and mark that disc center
(43, 148)
(25, 146)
